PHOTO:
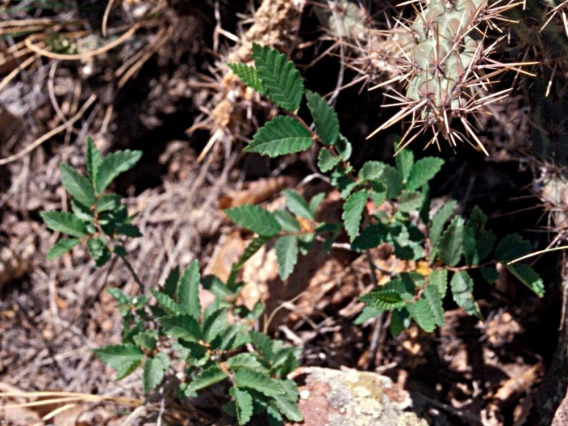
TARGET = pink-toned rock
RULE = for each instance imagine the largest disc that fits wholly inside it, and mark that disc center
(352, 398)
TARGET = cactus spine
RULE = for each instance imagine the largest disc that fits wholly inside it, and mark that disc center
(445, 72)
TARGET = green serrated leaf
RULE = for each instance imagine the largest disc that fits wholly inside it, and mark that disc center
(325, 118)
(77, 185)
(107, 202)
(399, 321)
(421, 312)
(206, 378)
(327, 160)
(232, 337)
(262, 342)
(244, 360)
(147, 339)
(249, 76)
(287, 404)
(392, 178)
(404, 162)
(489, 273)
(353, 212)
(434, 300)
(129, 230)
(410, 201)
(450, 246)
(315, 202)
(122, 358)
(171, 284)
(280, 136)
(340, 179)
(260, 382)
(437, 224)
(383, 299)
(528, 277)
(286, 254)
(288, 222)
(166, 302)
(113, 165)
(61, 247)
(154, 370)
(370, 237)
(64, 222)
(255, 245)
(255, 219)
(243, 405)
(477, 242)
(82, 212)
(99, 250)
(462, 292)
(511, 247)
(188, 290)
(368, 313)
(297, 204)
(343, 147)
(181, 327)
(439, 279)
(371, 170)
(213, 324)
(423, 171)
(94, 159)
(282, 81)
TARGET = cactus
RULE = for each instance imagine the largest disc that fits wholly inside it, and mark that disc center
(445, 75)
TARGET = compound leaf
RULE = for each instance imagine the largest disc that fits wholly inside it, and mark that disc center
(280, 136)
(282, 81)
(325, 118)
